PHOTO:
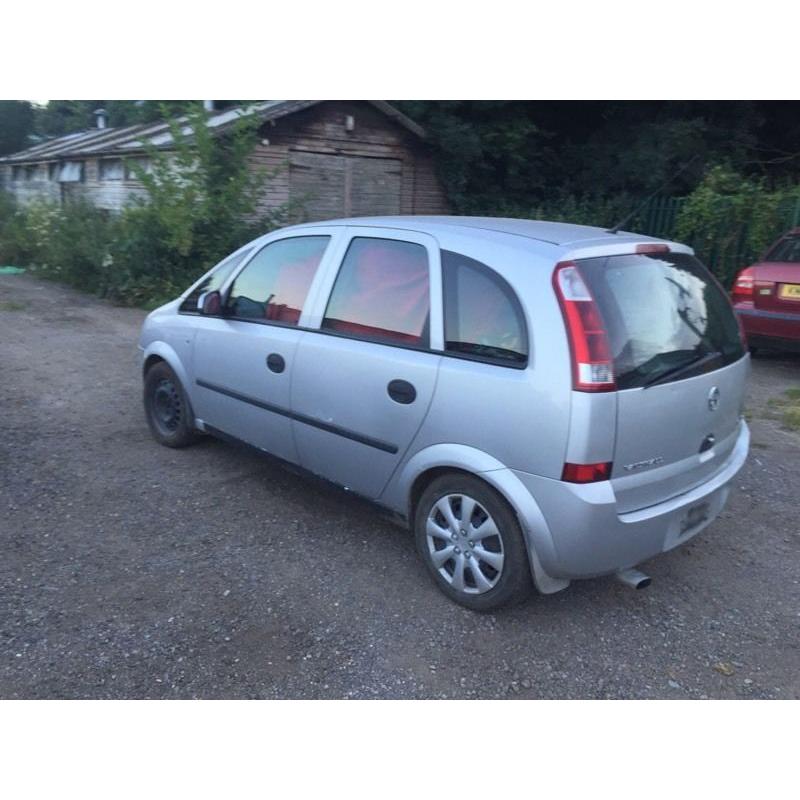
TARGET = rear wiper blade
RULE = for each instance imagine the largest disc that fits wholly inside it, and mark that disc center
(705, 358)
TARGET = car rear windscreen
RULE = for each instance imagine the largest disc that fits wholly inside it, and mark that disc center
(786, 251)
(664, 315)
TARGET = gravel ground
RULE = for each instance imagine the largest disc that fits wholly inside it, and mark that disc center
(129, 570)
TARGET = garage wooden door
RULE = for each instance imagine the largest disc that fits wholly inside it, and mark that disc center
(331, 186)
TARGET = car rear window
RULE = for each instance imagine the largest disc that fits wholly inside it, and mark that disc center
(662, 312)
(482, 316)
(787, 250)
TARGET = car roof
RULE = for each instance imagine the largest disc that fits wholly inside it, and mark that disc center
(559, 234)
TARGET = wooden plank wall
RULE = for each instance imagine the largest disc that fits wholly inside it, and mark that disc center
(321, 130)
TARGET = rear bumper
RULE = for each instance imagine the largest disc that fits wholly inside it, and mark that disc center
(768, 327)
(590, 538)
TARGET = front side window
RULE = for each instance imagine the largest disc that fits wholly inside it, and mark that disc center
(382, 293)
(214, 281)
(274, 285)
(482, 316)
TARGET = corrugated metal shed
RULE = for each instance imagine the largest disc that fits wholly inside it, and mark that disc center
(135, 138)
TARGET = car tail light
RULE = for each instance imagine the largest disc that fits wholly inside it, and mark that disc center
(586, 473)
(654, 247)
(743, 286)
(592, 368)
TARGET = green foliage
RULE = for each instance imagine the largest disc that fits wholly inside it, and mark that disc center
(201, 203)
(16, 124)
(69, 243)
(511, 156)
(731, 219)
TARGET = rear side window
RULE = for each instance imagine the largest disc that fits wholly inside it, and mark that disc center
(482, 316)
(662, 312)
(381, 293)
(274, 285)
(214, 281)
(787, 250)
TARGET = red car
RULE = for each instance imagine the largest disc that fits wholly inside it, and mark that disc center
(766, 296)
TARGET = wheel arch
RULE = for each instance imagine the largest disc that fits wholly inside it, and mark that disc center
(437, 460)
(159, 351)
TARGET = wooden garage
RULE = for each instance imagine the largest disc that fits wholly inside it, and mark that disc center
(341, 159)
(326, 159)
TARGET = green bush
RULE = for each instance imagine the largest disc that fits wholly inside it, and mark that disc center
(18, 246)
(69, 242)
(730, 220)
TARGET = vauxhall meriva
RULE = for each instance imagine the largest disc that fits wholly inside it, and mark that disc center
(535, 400)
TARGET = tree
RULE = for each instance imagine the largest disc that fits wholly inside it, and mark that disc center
(515, 156)
(16, 125)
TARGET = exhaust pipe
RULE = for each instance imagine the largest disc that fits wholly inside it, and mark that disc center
(633, 578)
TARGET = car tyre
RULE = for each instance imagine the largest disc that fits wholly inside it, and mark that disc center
(453, 523)
(167, 408)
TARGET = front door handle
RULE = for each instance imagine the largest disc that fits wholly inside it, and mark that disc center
(275, 362)
(401, 391)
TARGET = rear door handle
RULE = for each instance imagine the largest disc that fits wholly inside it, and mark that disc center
(401, 391)
(275, 362)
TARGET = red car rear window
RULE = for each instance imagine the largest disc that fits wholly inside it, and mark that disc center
(787, 251)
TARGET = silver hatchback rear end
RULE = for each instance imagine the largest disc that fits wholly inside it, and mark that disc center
(656, 436)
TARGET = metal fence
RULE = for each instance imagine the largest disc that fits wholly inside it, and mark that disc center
(728, 247)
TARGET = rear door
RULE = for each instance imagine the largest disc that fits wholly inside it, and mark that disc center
(680, 371)
(243, 358)
(364, 380)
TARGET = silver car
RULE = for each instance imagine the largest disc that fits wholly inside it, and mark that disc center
(538, 401)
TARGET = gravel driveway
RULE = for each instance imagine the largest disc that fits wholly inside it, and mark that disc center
(131, 570)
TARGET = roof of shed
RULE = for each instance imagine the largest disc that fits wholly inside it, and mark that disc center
(134, 138)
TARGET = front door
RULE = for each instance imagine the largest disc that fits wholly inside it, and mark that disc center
(243, 359)
(363, 382)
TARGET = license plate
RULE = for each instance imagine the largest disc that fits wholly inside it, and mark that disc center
(790, 291)
(694, 517)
